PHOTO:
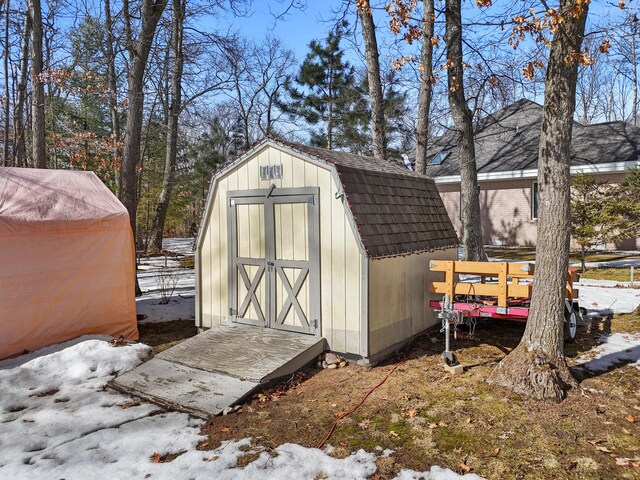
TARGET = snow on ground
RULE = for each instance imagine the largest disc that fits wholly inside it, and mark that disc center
(182, 303)
(183, 246)
(607, 300)
(59, 421)
(614, 349)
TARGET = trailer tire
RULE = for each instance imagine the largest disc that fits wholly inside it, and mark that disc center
(570, 326)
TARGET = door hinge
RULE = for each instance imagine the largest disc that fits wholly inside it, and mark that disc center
(270, 266)
(231, 202)
(233, 312)
(311, 200)
(314, 323)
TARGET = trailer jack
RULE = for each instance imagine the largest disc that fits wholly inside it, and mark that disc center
(448, 316)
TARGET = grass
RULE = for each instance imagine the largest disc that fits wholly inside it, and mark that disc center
(430, 418)
(616, 274)
(527, 254)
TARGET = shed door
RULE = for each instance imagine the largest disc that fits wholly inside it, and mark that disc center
(248, 261)
(275, 259)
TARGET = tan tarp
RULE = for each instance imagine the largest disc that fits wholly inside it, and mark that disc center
(66, 260)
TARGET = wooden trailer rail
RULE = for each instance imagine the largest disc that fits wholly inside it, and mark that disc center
(508, 274)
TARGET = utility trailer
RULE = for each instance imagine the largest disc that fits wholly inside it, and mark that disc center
(475, 290)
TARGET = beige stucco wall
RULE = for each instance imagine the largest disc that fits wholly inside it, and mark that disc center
(340, 258)
(506, 211)
(399, 297)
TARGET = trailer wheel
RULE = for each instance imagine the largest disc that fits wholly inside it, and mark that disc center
(570, 326)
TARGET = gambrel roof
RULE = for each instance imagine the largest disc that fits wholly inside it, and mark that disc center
(396, 211)
(508, 140)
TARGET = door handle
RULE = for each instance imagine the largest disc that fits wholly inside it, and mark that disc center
(270, 264)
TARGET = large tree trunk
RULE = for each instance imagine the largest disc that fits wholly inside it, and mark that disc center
(537, 366)
(426, 87)
(113, 86)
(138, 55)
(375, 84)
(37, 86)
(20, 148)
(6, 158)
(463, 124)
(157, 229)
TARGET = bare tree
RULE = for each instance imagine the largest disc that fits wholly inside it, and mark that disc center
(20, 157)
(6, 159)
(175, 107)
(138, 52)
(463, 125)
(37, 86)
(112, 77)
(537, 366)
(373, 75)
(426, 86)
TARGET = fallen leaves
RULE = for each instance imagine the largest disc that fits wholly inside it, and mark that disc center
(632, 418)
(466, 468)
(628, 462)
(156, 458)
(119, 342)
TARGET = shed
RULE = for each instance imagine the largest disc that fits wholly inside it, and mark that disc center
(322, 243)
(67, 260)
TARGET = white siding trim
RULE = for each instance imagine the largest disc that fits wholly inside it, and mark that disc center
(533, 173)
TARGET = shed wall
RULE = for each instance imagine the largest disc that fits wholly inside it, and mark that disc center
(340, 257)
(399, 297)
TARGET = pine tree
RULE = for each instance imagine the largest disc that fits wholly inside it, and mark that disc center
(325, 94)
(593, 220)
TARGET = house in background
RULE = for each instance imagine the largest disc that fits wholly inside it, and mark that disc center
(507, 160)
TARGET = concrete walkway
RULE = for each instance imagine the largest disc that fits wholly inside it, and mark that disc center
(219, 367)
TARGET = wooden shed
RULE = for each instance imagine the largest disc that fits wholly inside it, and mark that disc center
(322, 243)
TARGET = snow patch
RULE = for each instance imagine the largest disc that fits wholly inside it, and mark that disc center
(59, 421)
(614, 349)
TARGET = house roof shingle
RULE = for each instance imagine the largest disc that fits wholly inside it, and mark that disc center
(508, 140)
(396, 210)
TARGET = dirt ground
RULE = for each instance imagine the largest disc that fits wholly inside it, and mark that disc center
(163, 335)
(428, 417)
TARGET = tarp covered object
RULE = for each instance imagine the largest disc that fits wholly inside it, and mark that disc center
(66, 260)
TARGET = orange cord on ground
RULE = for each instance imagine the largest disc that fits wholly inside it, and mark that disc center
(342, 415)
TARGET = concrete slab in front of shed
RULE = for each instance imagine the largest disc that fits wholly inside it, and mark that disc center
(247, 352)
(183, 388)
(218, 368)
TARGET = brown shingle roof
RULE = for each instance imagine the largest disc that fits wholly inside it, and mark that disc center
(396, 210)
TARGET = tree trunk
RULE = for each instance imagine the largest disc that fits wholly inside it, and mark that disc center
(634, 66)
(426, 87)
(113, 86)
(463, 124)
(537, 366)
(157, 229)
(37, 86)
(20, 148)
(375, 84)
(6, 159)
(583, 260)
(138, 55)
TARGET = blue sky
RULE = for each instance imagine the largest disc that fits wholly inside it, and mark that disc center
(296, 30)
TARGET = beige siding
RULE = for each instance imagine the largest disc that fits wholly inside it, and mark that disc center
(340, 266)
(506, 212)
(399, 297)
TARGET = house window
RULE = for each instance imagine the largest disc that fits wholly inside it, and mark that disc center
(534, 201)
(439, 158)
